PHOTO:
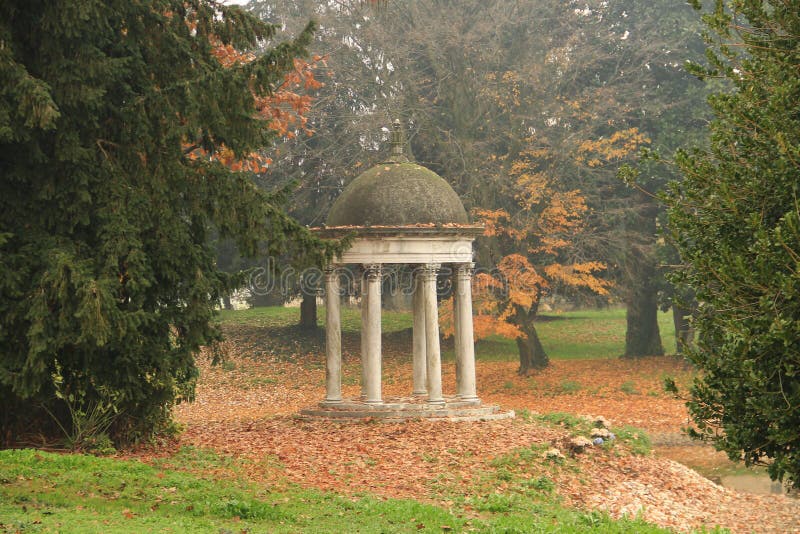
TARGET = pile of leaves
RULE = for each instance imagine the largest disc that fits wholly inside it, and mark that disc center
(247, 408)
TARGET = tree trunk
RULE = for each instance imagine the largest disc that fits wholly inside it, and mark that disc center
(226, 302)
(531, 351)
(684, 333)
(642, 337)
(308, 312)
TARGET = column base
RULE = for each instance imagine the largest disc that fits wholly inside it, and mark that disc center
(439, 402)
(422, 393)
(396, 409)
(331, 402)
(379, 401)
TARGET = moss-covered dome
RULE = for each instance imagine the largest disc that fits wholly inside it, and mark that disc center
(397, 194)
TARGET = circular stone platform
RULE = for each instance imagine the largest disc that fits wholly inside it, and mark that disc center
(397, 409)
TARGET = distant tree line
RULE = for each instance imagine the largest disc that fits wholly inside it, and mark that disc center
(486, 88)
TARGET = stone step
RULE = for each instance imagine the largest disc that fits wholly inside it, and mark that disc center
(392, 404)
(395, 412)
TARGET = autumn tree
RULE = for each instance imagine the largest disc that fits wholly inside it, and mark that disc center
(537, 243)
(116, 119)
(286, 109)
(736, 222)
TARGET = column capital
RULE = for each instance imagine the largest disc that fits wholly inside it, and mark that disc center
(430, 270)
(465, 270)
(371, 269)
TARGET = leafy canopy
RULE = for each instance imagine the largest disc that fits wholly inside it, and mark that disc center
(736, 223)
(116, 121)
(536, 248)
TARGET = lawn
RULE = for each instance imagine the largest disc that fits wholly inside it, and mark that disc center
(199, 491)
(585, 334)
(246, 463)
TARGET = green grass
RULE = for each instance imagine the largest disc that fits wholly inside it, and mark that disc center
(570, 386)
(587, 334)
(276, 317)
(46, 492)
(629, 388)
(584, 335)
(634, 439)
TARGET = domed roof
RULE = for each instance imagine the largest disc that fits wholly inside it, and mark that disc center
(397, 193)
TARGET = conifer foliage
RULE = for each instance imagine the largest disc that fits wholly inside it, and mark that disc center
(736, 222)
(112, 113)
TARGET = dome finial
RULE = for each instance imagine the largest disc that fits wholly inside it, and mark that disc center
(397, 155)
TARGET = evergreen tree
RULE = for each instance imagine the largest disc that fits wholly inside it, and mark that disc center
(112, 117)
(736, 223)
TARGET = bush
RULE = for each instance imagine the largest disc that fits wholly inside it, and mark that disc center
(736, 223)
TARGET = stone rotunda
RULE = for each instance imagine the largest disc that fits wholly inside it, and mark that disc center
(399, 212)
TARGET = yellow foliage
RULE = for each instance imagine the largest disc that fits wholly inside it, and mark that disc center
(609, 149)
(543, 229)
(494, 221)
(580, 275)
(533, 187)
(521, 279)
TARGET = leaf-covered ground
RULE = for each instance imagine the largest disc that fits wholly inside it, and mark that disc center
(247, 407)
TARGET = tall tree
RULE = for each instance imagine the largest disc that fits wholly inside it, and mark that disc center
(116, 119)
(632, 76)
(735, 220)
(537, 241)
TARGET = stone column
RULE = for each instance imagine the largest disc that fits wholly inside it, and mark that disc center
(432, 349)
(364, 310)
(465, 351)
(333, 338)
(419, 340)
(456, 325)
(371, 336)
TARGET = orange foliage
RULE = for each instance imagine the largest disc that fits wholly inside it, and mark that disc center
(254, 162)
(609, 149)
(503, 89)
(560, 219)
(228, 56)
(285, 108)
(532, 188)
(492, 221)
(580, 275)
(488, 319)
(539, 236)
(523, 283)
